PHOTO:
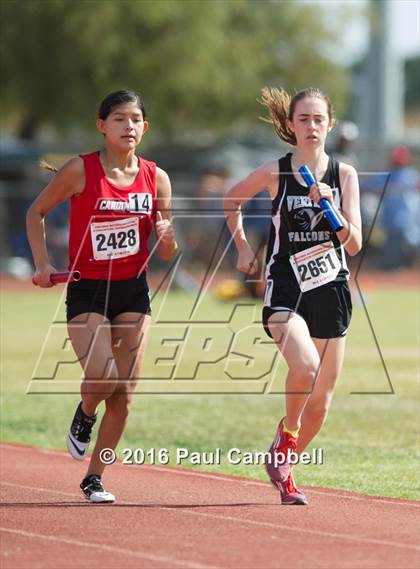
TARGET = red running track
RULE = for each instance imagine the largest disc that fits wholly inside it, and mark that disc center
(174, 518)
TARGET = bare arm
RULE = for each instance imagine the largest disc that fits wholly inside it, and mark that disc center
(68, 181)
(351, 234)
(264, 177)
(167, 246)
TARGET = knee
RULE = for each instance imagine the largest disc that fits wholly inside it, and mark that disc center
(100, 380)
(98, 372)
(118, 406)
(306, 373)
(100, 365)
(317, 411)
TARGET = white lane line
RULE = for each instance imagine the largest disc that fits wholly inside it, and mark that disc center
(232, 479)
(171, 561)
(298, 529)
(266, 485)
(270, 525)
(371, 499)
(23, 448)
(49, 490)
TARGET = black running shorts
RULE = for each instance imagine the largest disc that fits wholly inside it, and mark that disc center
(109, 298)
(326, 309)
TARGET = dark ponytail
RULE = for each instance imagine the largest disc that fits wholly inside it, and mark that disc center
(46, 166)
(105, 108)
(118, 98)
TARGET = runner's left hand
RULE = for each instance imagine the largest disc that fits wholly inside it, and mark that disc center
(164, 229)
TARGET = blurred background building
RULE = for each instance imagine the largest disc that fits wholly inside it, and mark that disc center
(200, 67)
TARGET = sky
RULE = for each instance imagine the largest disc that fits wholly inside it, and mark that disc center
(404, 27)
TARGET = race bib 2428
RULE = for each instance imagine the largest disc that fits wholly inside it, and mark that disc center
(115, 239)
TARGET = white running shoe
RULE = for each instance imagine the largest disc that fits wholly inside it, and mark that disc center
(94, 491)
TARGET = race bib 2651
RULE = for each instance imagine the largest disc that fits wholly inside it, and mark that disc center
(315, 266)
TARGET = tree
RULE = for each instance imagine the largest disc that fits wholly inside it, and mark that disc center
(199, 64)
(412, 83)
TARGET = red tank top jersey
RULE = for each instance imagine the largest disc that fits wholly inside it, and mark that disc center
(110, 225)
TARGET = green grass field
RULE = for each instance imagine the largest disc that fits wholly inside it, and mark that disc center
(370, 440)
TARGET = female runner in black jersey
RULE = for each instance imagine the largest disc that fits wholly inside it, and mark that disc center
(307, 304)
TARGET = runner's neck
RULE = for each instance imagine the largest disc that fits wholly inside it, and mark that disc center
(317, 164)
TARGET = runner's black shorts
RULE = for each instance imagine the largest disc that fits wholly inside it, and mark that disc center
(109, 298)
(326, 309)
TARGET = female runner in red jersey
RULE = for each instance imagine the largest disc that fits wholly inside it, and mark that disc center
(115, 198)
(307, 303)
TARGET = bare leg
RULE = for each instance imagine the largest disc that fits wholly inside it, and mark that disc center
(315, 413)
(129, 339)
(90, 335)
(291, 335)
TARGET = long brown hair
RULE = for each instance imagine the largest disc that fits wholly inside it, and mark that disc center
(281, 107)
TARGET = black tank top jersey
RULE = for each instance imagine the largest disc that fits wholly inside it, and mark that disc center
(298, 223)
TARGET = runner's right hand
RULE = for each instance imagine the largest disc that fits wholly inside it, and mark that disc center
(247, 263)
(42, 276)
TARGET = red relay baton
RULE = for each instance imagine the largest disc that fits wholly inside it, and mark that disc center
(58, 278)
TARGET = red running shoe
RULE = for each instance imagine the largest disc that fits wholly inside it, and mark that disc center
(276, 463)
(289, 493)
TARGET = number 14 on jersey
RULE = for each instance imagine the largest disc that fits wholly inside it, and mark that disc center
(140, 203)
